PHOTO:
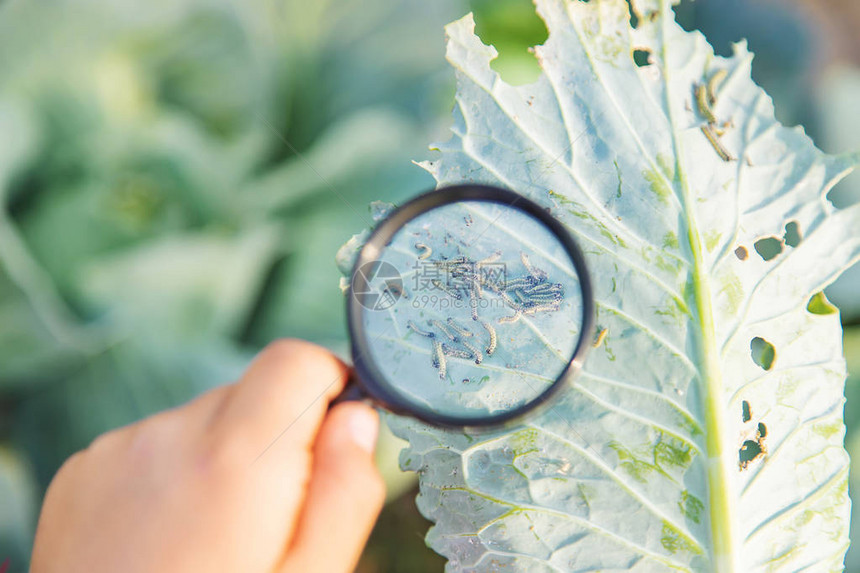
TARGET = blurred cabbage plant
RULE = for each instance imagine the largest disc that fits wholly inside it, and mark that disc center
(173, 177)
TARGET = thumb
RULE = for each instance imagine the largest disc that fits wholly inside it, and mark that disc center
(345, 494)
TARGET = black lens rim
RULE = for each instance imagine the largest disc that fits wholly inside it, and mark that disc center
(369, 376)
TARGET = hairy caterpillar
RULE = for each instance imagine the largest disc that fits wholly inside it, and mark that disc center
(546, 297)
(541, 308)
(545, 287)
(456, 353)
(473, 302)
(415, 328)
(493, 340)
(445, 330)
(476, 354)
(491, 259)
(509, 319)
(474, 282)
(439, 358)
(452, 292)
(520, 282)
(520, 296)
(459, 329)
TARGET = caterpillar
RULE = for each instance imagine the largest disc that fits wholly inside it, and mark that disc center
(714, 84)
(452, 292)
(545, 287)
(509, 319)
(445, 330)
(714, 139)
(415, 328)
(491, 259)
(459, 329)
(475, 282)
(427, 251)
(546, 297)
(510, 302)
(493, 339)
(439, 358)
(600, 337)
(476, 354)
(521, 282)
(476, 286)
(703, 103)
(519, 296)
(455, 352)
(533, 271)
(541, 308)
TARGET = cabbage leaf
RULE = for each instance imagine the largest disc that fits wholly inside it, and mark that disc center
(706, 432)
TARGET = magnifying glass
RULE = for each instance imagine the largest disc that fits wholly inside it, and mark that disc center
(468, 307)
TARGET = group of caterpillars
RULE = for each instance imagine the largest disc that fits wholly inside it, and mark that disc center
(525, 295)
(706, 97)
(528, 294)
(457, 334)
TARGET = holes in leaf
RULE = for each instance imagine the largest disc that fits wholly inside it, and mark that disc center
(750, 450)
(763, 353)
(513, 27)
(792, 235)
(741, 253)
(634, 17)
(641, 58)
(843, 193)
(769, 247)
(819, 304)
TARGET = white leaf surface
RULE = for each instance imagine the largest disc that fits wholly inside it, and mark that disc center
(706, 431)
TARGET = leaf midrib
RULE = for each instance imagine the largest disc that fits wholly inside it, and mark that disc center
(721, 506)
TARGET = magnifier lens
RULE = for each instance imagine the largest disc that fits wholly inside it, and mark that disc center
(472, 309)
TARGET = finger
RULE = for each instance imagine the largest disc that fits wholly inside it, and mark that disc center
(344, 497)
(282, 397)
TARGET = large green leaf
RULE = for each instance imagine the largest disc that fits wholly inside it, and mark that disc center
(705, 433)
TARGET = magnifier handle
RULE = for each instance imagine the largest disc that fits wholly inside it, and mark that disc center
(351, 393)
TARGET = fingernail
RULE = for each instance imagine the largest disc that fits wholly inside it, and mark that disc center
(363, 428)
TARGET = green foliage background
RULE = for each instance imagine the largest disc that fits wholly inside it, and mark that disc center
(176, 177)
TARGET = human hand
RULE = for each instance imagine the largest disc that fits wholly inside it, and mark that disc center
(256, 476)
